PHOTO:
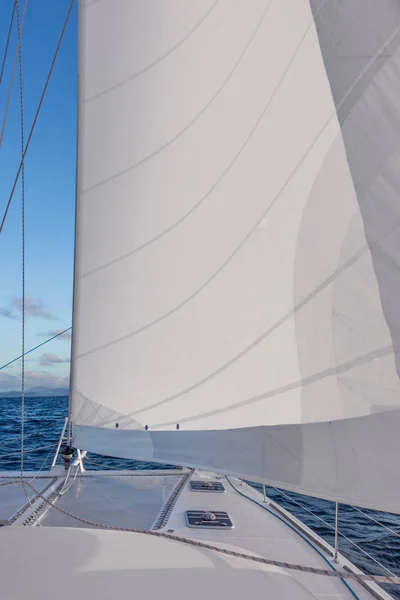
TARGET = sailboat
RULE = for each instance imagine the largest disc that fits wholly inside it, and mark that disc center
(236, 303)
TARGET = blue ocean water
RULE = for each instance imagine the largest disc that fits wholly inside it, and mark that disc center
(44, 418)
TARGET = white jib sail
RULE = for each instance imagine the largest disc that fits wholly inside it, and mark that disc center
(238, 249)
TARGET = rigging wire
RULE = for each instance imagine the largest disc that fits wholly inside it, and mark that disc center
(37, 112)
(35, 433)
(7, 41)
(392, 531)
(29, 483)
(16, 60)
(44, 462)
(296, 531)
(36, 347)
(52, 445)
(340, 533)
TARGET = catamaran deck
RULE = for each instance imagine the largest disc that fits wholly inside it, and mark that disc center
(63, 557)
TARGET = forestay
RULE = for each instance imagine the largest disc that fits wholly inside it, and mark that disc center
(237, 244)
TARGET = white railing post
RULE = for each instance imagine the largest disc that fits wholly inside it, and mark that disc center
(335, 558)
(60, 442)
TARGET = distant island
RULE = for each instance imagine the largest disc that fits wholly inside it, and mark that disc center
(36, 392)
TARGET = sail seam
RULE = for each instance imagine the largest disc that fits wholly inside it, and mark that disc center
(363, 359)
(277, 324)
(189, 125)
(220, 178)
(156, 61)
(275, 199)
(266, 334)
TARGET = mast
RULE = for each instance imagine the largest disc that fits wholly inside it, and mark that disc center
(76, 235)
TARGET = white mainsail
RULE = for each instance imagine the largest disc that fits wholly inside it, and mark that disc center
(237, 250)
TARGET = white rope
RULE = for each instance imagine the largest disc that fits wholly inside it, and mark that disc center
(21, 102)
(64, 488)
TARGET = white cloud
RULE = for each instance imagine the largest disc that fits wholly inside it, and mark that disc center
(6, 311)
(48, 359)
(33, 308)
(52, 332)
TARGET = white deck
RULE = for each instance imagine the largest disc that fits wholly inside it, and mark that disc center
(59, 560)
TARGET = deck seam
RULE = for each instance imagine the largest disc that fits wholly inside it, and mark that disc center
(166, 511)
(38, 512)
(30, 502)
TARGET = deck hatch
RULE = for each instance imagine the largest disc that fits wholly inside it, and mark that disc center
(208, 519)
(206, 486)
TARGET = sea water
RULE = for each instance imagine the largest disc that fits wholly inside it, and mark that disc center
(44, 418)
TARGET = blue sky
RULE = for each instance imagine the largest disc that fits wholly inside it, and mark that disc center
(50, 195)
